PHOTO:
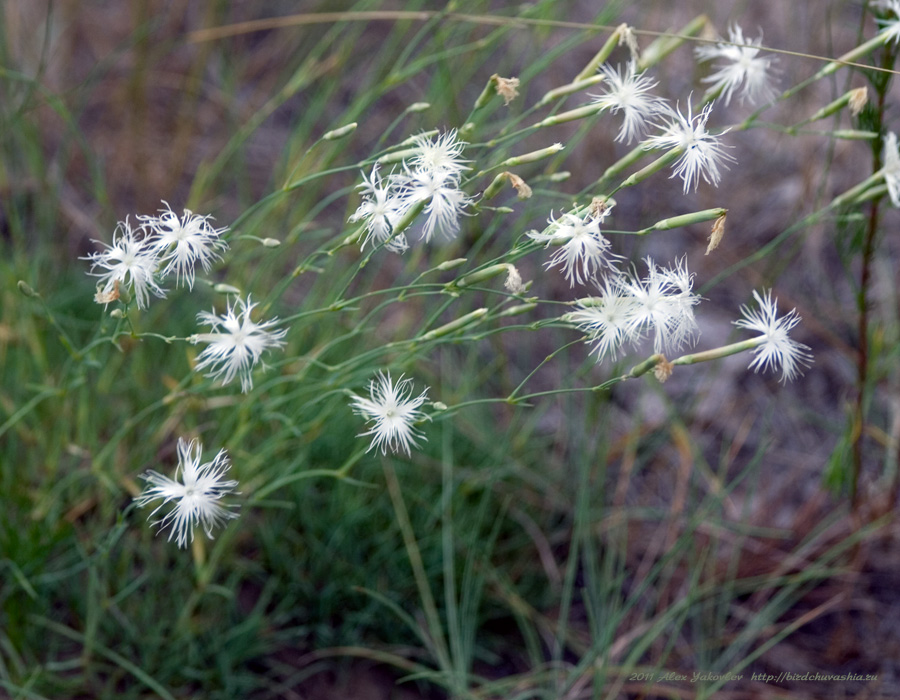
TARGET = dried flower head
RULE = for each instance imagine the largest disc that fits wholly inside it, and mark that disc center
(507, 88)
(601, 206)
(858, 99)
(513, 283)
(628, 38)
(717, 233)
(523, 191)
(663, 370)
(105, 297)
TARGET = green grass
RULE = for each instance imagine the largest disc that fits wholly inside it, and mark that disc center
(561, 532)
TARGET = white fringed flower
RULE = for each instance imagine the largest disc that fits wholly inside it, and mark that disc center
(384, 204)
(445, 201)
(664, 304)
(197, 497)
(430, 179)
(661, 303)
(701, 151)
(775, 349)
(392, 412)
(584, 250)
(130, 261)
(182, 243)
(629, 91)
(239, 345)
(606, 320)
(890, 28)
(442, 154)
(741, 67)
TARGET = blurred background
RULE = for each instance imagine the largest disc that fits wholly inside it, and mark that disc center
(108, 108)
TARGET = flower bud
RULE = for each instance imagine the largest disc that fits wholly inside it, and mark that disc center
(855, 98)
(462, 322)
(654, 167)
(26, 290)
(339, 133)
(397, 156)
(696, 217)
(451, 264)
(624, 162)
(518, 310)
(574, 86)
(481, 275)
(855, 135)
(533, 156)
(123, 294)
(570, 116)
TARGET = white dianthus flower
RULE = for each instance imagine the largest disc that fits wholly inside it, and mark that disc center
(182, 243)
(239, 345)
(442, 154)
(743, 67)
(393, 411)
(429, 180)
(664, 303)
(584, 250)
(384, 203)
(890, 28)
(196, 497)
(606, 320)
(445, 201)
(775, 349)
(130, 261)
(701, 151)
(630, 93)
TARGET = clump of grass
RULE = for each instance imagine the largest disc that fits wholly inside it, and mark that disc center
(442, 310)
